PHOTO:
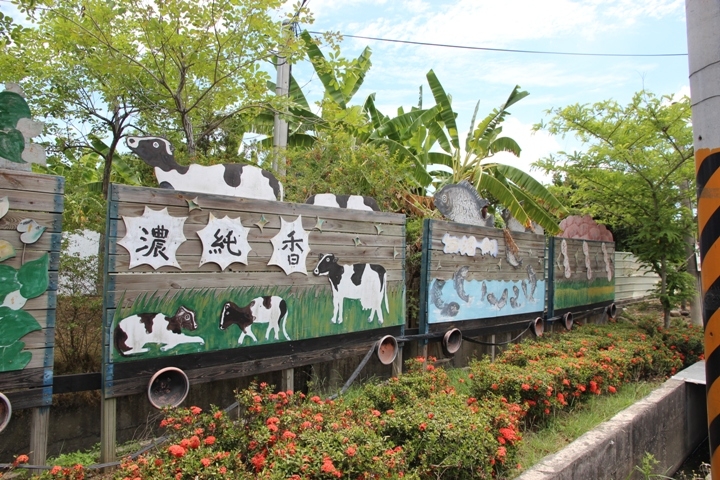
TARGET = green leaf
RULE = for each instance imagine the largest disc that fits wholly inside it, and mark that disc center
(15, 324)
(33, 276)
(8, 281)
(532, 187)
(536, 212)
(318, 60)
(447, 115)
(13, 358)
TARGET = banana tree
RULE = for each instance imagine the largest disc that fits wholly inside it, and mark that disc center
(525, 197)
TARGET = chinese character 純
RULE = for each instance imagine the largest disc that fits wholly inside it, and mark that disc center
(156, 248)
(221, 242)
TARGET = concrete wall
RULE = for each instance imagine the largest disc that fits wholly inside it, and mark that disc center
(669, 423)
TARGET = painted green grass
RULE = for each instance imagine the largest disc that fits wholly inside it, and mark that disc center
(309, 314)
(577, 292)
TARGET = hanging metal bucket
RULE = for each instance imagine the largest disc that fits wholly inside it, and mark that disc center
(537, 326)
(567, 320)
(387, 349)
(611, 310)
(5, 412)
(168, 387)
(451, 342)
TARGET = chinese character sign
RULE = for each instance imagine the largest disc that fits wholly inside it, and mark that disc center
(290, 247)
(224, 241)
(153, 238)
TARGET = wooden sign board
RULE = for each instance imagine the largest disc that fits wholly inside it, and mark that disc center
(472, 280)
(30, 238)
(583, 273)
(223, 287)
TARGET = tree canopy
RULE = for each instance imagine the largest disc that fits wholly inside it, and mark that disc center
(635, 175)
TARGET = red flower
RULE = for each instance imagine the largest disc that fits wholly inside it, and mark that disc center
(612, 389)
(218, 415)
(287, 435)
(210, 440)
(327, 465)
(257, 399)
(525, 386)
(258, 461)
(194, 442)
(423, 426)
(206, 462)
(21, 459)
(176, 451)
(222, 470)
(196, 410)
(351, 451)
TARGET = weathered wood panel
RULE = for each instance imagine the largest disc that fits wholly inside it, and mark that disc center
(632, 280)
(353, 237)
(583, 273)
(469, 273)
(28, 282)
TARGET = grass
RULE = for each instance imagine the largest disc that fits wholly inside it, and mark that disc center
(577, 292)
(565, 427)
(309, 314)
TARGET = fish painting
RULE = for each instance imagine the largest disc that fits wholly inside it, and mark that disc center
(514, 300)
(512, 260)
(459, 283)
(483, 292)
(460, 202)
(523, 284)
(532, 280)
(499, 304)
(451, 309)
(436, 293)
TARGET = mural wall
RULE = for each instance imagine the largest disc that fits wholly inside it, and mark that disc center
(31, 208)
(584, 272)
(475, 273)
(197, 273)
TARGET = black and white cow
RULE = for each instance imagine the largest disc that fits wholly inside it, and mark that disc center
(267, 309)
(353, 202)
(134, 332)
(361, 281)
(233, 179)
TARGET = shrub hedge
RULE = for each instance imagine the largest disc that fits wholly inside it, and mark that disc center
(421, 425)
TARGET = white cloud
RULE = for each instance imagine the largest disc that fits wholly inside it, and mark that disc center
(534, 145)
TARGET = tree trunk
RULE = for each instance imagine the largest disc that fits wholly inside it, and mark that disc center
(692, 267)
(663, 293)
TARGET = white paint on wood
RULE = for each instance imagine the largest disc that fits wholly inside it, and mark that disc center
(224, 241)
(153, 238)
(290, 247)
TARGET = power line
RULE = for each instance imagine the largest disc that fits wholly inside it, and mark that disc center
(509, 50)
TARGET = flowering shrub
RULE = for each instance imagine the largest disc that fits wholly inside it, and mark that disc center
(558, 370)
(421, 425)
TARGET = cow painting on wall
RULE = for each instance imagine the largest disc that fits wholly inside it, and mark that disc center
(361, 281)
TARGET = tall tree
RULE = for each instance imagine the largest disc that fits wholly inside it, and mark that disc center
(632, 175)
(525, 197)
(176, 67)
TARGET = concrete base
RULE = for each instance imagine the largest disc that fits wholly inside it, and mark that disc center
(669, 423)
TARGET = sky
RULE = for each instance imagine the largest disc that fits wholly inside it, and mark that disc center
(553, 81)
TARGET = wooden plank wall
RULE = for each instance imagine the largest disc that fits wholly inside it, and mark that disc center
(632, 281)
(38, 197)
(577, 289)
(352, 236)
(488, 291)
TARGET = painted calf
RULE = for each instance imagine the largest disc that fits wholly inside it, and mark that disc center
(353, 202)
(134, 332)
(361, 281)
(270, 310)
(234, 179)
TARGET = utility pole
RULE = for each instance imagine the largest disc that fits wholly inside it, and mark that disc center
(703, 18)
(280, 126)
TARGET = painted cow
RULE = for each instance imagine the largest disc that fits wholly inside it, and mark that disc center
(361, 281)
(268, 309)
(133, 332)
(232, 179)
(352, 202)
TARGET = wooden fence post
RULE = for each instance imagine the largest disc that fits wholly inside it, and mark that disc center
(39, 435)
